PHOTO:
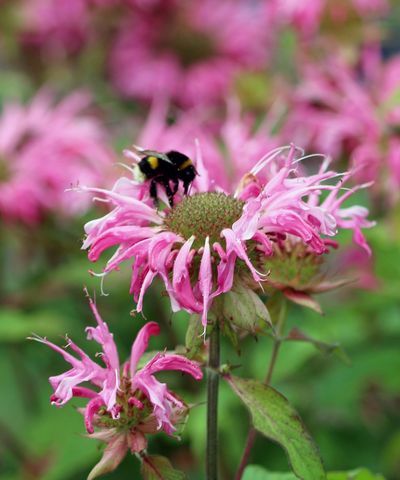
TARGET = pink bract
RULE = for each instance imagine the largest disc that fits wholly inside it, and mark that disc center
(45, 149)
(113, 380)
(196, 246)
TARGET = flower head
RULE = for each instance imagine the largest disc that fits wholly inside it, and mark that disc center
(44, 149)
(197, 246)
(126, 399)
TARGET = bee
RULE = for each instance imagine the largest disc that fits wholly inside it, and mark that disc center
(167, 169)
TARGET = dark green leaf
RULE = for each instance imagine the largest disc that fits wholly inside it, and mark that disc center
(274, 417)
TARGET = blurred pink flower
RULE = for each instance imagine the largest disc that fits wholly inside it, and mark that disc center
(337, 112)
(189, 51)
(57, 26)
(196, 246)
(46, 148)
(118, 389)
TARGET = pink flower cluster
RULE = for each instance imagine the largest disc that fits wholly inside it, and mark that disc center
(189, 51)
(196, 246)
(45, 149)
(334, 112)
(61, 27)
(120, 389)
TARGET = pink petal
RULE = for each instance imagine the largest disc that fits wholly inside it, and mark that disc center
(140, 344)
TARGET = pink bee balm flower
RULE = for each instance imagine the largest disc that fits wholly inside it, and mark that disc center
(63, 27)
(333, 110)
(45, 149)
(189, 51)
(120, 390)
(57, 26)
(196, 246)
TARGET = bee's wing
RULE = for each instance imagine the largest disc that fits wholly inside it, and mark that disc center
(143, 152)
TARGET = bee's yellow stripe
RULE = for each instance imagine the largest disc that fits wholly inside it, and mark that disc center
(153, 162)
(185, 164)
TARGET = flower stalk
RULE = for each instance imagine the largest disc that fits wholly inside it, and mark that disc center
(212, 403)
(251, 436)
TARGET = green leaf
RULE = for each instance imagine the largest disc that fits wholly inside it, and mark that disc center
(274, 417)
(155, 467)
(358, 474)
(255, 472)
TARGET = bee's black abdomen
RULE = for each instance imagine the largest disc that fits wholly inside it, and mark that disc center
(177, 158)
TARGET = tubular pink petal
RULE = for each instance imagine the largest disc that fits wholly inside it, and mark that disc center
(140, 344)
(162, 361)
(90, 411)
(205, 279)
(235, 245)
(147, 281)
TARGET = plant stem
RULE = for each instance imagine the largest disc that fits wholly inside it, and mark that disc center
(251, 436)
(212, 405)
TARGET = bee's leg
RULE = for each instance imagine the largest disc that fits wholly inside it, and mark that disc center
(153, 191)
(176, 185)
(186, 185)
(168, 191)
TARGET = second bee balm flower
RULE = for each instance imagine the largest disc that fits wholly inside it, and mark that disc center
(125, 402)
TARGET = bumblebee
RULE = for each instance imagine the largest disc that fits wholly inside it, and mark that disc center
(167, 169)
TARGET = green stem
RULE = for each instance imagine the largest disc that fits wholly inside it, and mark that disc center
(212, 404)
(251, 436)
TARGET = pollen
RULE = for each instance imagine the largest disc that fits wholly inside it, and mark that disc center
(204, 215)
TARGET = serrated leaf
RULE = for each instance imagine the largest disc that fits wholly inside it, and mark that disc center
(275, 418)
(156, 467)
(358, 474)
(255, 472)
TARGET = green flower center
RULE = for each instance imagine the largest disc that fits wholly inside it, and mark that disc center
(292, 265)
(204, 215)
